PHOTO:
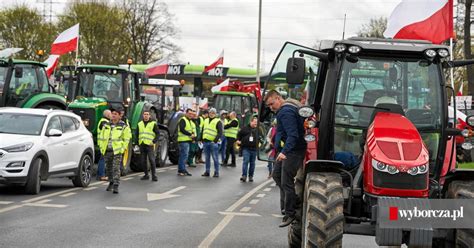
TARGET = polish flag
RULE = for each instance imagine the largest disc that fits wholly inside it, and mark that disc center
(460, 90)
(223, 86)
(421, 20)
(67, 41)
(158, 67)
(219, 61)
(52, 62)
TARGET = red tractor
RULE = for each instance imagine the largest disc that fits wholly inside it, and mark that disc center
(377, 128)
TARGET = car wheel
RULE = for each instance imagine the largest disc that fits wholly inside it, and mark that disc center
(33, 183)
(84, 172)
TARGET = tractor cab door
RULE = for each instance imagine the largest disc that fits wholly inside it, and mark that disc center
(26, 80)
(302, 85)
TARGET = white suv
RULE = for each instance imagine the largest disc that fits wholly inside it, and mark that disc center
(36, 144)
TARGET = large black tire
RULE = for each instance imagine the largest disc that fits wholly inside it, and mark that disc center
(162, 149)
(33, 183)
(463, 156)
(47, 106)
(126, 160)
(464, 238)
(173, 156)
(84, 172)
(323, 217)
(294, 230)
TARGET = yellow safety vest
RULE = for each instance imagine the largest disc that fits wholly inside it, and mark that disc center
(190, 128)
(231, 132)
(100, 122)
(210, 129)
(120, 136)
(145, 133)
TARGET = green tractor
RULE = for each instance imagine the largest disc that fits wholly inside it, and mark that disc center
(24, 84)
(243, 103)
(98, 87)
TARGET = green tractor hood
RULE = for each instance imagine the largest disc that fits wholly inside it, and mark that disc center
(90, 109)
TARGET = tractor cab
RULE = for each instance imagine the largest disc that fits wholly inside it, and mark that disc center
(243, 103)
(24, 83)
(164, 95)
(376, 119)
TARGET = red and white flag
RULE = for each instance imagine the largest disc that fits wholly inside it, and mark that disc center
(66, 41)
(223, 86)
(460, 90)
(219, 61)
(52, 62)
(158, 67)
(422, 20)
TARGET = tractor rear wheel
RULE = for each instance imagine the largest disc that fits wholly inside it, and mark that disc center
(462, 190)
(162, 149)
(323, 204)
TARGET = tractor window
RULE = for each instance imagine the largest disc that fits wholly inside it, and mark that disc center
(43, 80)
(24, 83)
(169, 98)
(101, 84)
(3, 74)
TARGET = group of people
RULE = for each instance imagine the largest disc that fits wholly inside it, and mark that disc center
(215, 136)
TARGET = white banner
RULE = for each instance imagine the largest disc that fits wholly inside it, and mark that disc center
(463, 102)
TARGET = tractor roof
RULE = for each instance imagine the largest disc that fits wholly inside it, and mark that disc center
(102, 67)
(383, 44)
(20, 61)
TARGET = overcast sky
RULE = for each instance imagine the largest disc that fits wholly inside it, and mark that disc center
(206, 26)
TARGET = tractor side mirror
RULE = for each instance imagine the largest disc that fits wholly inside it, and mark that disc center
(295, 70)
(470, 120)
(18, 72)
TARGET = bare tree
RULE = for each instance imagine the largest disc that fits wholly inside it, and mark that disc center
(150, 30)
(374, 28)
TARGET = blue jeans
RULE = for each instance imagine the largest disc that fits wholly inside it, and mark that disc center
(101, 166)
(223, 147)
(183, 156)
(249, 158)
(211, 149)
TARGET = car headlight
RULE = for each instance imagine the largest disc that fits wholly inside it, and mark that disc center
(384, 167)
(19, 148)
(305, 111)
(421, 169)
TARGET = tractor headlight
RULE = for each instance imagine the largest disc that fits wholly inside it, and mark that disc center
(443, 53)
(466, 146)
(305, 111)
(430, 53)
(339, 48)
(309, 138)
(311, 124)
(384, 167)
(354, 49)
(416, 170)
(465, 133)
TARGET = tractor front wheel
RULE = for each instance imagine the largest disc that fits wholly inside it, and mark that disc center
(462, 190)
(323, 204)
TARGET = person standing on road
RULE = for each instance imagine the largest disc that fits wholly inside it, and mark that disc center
(230, 132)
(193, 147)
(223, 143)
(212, 132)
(204, 115)
(247, 139)
(148, 133)
(112, 140)
(186, 135)
(290, 157)
(106, 116)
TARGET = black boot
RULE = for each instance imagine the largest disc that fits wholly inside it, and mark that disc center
(116, 189)
(109, 188)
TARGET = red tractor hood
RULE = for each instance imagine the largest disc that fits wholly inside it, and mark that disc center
(394, 140)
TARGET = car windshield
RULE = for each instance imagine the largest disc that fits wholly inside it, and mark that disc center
(101, 84)
(24, 124)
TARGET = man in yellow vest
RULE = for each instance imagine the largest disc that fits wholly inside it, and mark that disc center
(148, 133)
(186, 135)
(230, 132)
(112, 140)
(106, 116)
(211, 135)
(204, 115)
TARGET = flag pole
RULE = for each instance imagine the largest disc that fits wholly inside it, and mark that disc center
(452, 58)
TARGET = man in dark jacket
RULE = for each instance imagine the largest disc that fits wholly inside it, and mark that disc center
(247, 139)
(148, 133)
(291, 149)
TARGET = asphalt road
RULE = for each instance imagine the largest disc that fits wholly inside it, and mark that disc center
(173, 212)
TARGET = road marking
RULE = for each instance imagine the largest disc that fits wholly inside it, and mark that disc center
(166, 195)
(239, 214)
(43, 201)
(89, 188)
(260, 195)
(68, 194)
(5, 202)
(229, 216)
(267, 189)
(2, 210)
(45, 205)
(277, 215)
(105, 183)
(50, 195)
(254, 201)
(127, 178)
(128, 209)
(245, 209)
(218, 229)
(184, 211)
